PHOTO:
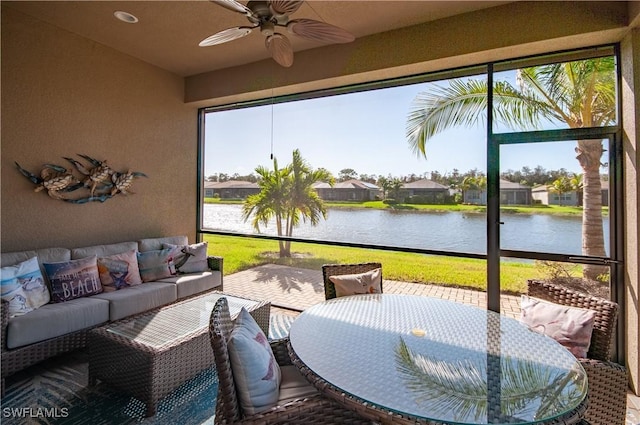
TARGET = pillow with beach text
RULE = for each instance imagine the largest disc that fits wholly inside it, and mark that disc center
(73, 279)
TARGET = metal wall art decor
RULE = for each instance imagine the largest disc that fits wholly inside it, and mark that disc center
(97, 182)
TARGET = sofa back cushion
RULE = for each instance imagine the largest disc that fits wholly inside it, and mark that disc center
(103, 250)
(154, 244)
(23, 287)
(45, 255)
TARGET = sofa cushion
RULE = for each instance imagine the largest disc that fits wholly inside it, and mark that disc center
(45, 255)
(73, 279)
(152, 244)
(23, 287)
(138, 299)
(103, 250)
(54, 320)
(156, 264)
(194, 283)
(189, 258)
(119, 271)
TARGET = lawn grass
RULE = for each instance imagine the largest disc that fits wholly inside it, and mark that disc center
(241, 253)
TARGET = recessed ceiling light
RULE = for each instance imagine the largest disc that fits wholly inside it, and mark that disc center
(125, 17)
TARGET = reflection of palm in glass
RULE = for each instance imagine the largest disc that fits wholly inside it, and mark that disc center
(527, 388)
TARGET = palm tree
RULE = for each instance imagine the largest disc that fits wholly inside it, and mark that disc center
(561, 186)
(576, 184)
(286, 195)
(580, 94)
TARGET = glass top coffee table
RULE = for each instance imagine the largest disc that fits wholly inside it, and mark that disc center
(409, 359)
(149, 355)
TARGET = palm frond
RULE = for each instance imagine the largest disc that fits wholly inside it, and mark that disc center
(460, 387)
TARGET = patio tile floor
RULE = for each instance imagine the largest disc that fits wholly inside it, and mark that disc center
(292, 290)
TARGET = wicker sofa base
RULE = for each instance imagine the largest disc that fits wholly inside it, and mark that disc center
(20, 358)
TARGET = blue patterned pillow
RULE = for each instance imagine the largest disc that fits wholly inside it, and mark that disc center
(73, 279)
(22, 285)
(156, 264)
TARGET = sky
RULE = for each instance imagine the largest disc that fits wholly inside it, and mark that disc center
(360, 131)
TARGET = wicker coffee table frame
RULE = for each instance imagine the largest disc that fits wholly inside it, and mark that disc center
(149, 373)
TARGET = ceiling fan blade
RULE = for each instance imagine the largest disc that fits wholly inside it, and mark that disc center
(285, 7)
(280, 48)
(226, 35)
(319, 31)
(234, 6)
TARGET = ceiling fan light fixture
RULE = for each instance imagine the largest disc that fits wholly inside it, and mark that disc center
(125, 17)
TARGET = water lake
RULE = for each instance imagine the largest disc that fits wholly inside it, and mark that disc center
(446, 231)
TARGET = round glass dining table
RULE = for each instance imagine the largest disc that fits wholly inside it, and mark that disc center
(413, 359)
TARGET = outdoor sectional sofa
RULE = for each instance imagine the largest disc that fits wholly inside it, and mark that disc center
(59, 327)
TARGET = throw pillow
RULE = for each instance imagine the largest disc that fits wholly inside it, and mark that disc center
(570, 326)
(157, 264)
(22, 285)
(189, 258)
(255, 370)
(360, 283)
(73, 279)
(119, 271)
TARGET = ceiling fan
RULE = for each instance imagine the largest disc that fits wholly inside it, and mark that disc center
(268, 16)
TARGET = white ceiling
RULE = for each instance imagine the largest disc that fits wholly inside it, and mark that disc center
(168, 32)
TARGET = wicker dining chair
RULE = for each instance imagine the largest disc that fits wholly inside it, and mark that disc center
(607, 381)
(342, 269)
(312, 409)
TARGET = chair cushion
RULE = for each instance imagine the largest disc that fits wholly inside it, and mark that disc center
(294, 386)
(570, 326)
(360, 283)
(255, 370)
(23, 286)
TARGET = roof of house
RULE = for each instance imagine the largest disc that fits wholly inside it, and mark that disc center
(349, 184)
(424, 184)
(506, 184)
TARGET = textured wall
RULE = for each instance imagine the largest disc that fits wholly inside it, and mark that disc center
(64, 95)
(630, 52)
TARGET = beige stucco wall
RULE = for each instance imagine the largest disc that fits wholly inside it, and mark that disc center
(630, 52)
(64, 95)
(468, 39)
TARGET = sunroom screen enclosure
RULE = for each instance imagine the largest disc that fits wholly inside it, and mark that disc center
(492, 137)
